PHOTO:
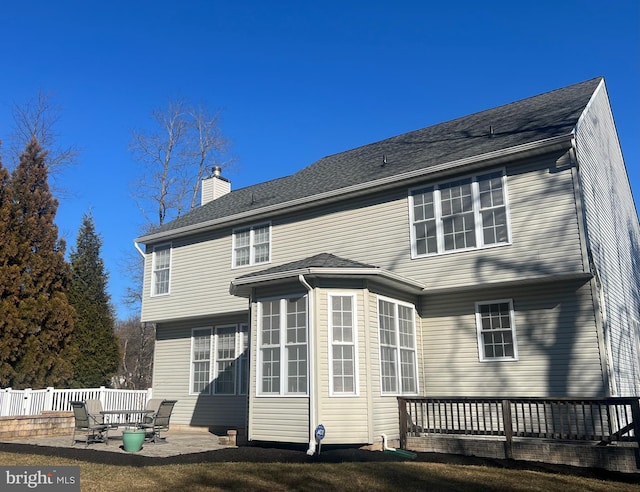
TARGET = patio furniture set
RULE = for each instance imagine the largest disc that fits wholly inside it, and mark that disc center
(94, 422)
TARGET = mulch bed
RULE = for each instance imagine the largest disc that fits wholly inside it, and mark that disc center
(277, 453)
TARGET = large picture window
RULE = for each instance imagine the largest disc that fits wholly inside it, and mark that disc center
(342, 345)
(252, 245)
(161, 268)
(496, 330)
(464, 214)
(398, 360)
(219, 360)
(283, 332)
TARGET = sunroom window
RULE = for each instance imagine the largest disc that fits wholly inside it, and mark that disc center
(398, 360)
(343, 343)
(282, 342)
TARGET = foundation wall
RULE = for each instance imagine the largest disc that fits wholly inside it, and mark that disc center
(618, 457)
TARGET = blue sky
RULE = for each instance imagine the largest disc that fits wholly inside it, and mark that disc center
(295, 80)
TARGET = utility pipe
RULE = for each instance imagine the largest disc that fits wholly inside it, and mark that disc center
(385, 447)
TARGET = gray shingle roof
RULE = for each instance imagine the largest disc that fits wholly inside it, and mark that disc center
(322, 265)
(548, 115)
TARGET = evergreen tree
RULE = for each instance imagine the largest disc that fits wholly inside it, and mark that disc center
(36, 320)
(94, 335)
(9, 281)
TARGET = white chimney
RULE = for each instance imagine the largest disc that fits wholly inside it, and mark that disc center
(214, 186)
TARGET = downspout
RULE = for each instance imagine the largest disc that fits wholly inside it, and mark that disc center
(312, 401)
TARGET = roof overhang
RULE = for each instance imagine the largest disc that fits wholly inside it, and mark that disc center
(501, 156)
(520, 282)
(242, 286)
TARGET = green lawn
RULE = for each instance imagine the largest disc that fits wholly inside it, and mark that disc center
(378, 476)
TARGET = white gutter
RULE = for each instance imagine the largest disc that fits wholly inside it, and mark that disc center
(546, 145)
(383, 276)
(312, 361)
(135, 243)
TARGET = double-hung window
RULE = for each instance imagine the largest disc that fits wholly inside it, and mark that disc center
(252, 245)
(200, 360)
(496, 330)
(282, 342)
(459, 215)
(219, 360)
(398, 359)
(342, 345)
(161, 268)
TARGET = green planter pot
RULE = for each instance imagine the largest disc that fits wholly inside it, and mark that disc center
(132, 440)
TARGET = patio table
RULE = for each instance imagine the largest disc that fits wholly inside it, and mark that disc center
(132, 416)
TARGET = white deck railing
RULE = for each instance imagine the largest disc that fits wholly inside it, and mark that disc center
(33, 402)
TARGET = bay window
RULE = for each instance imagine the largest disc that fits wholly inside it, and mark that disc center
(398, 359)
(342, 345)
(282, 342)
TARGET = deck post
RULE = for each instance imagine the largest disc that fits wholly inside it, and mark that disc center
(508, 428)
(402, 413)
(635, 415)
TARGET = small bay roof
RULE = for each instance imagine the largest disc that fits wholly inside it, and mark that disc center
(324, 265)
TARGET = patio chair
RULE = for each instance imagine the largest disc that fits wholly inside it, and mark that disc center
(159, 421)
(85, 423)
(153, 404)
(94, 407)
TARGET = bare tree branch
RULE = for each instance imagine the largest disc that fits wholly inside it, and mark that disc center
(209, 144)
(183, 144)
(136, 345)
(38, 118)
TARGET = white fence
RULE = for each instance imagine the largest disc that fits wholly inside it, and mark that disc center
(34, 402)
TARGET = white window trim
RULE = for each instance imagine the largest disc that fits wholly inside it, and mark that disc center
(397, 347)
(283, 365)
(356, 379)
(213, 360)
(476, 213)
(512, 318)
(251, 229)
(191, 361)
(168, 246)
(243, 359)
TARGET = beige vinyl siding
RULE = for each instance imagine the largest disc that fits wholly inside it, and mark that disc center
(544, 230)
(376, 230)
(344, 417)
(614, 239)
(283, 419)
(171, 378)
(556, 338)
(200, 277)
